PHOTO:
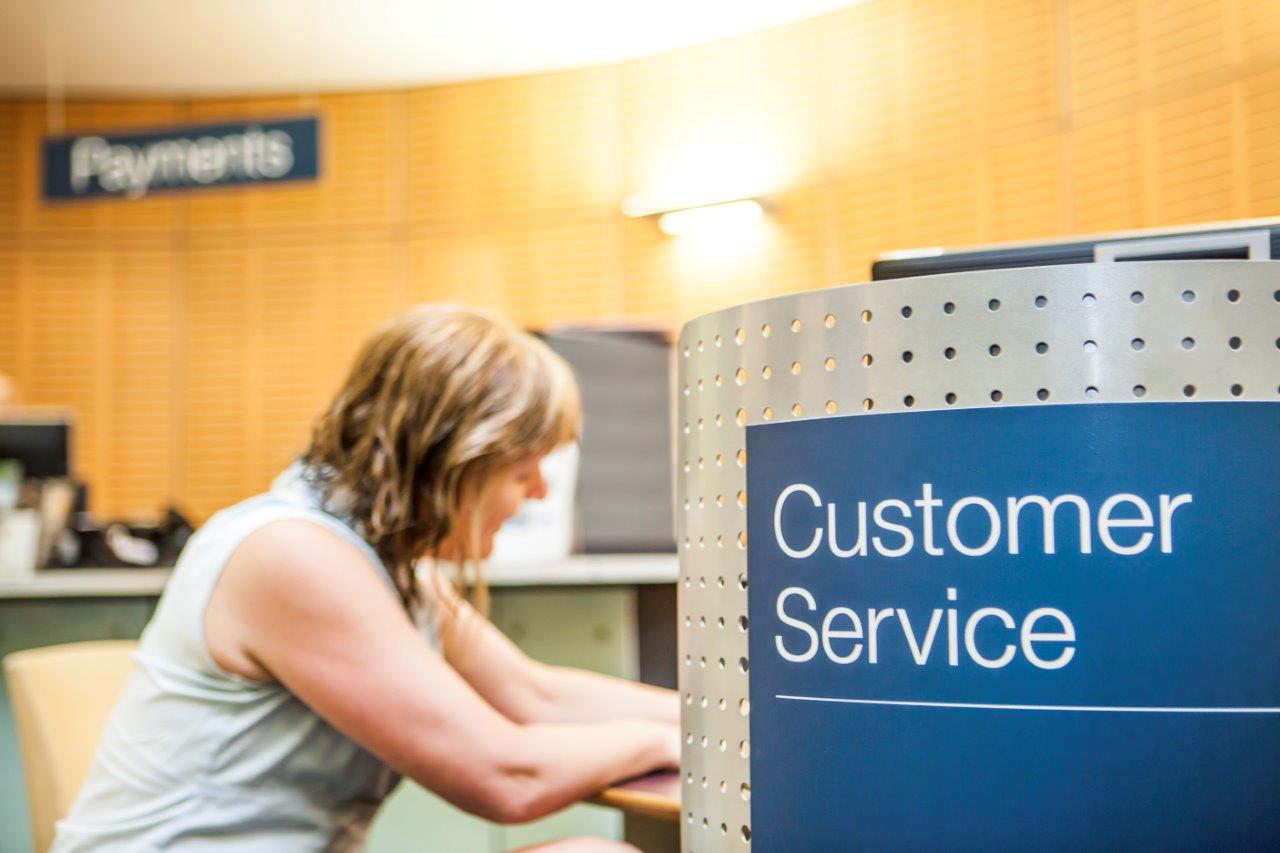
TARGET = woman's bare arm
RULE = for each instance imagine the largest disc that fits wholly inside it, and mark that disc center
(580, 695)
(528, 691)
(298, 604)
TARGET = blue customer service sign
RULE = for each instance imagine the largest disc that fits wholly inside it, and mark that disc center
(1050, 626)
(136, 164)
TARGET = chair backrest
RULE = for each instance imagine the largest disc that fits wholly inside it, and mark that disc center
(62, 697)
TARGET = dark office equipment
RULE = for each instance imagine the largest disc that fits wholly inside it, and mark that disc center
(42, 447)
(656, 610)
(1255, 240)
(624, 472)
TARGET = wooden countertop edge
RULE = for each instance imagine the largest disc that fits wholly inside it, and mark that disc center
(640, 803)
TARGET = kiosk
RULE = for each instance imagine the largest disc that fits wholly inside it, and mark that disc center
(983, 559)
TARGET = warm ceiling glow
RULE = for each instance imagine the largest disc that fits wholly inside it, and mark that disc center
(220, 47)
(711, 218)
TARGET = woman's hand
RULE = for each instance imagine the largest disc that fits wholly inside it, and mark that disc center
(671, 741)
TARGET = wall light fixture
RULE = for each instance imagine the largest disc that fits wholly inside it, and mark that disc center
(722, 217)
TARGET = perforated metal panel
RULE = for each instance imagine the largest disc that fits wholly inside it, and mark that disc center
(1133, 332)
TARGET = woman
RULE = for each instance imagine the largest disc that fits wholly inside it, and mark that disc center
(296, 664)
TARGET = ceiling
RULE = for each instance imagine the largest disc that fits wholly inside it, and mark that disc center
(207, 47)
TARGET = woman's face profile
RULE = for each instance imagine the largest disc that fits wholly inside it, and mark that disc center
(497, 499)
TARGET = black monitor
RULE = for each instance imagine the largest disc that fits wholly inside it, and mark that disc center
(1252, 240)
(43, 447)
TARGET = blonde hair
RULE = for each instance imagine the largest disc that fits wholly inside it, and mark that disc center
(438, 398)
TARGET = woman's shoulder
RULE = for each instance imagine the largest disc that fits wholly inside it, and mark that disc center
(292, 586)
(295, 495)
(297, 544)
(280, 531)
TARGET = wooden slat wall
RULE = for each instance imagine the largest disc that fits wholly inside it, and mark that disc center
(197, 335)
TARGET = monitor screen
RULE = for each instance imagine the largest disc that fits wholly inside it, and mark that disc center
(42, 447)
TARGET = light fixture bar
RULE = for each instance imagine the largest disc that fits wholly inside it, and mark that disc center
(710, 217)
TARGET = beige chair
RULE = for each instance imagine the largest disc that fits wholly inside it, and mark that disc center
(62, 696)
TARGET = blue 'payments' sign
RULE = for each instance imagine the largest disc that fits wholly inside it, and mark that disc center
(1051, 626)
(133, 165)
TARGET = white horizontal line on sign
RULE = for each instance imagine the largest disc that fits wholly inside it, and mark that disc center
(1139, 709)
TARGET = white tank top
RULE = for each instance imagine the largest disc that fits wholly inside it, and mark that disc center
(197, 758)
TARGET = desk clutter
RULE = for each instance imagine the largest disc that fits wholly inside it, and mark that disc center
(44, 517)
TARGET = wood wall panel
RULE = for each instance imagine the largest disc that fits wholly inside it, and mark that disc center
(271, 330)
(66, 298)
(448, 268)
(1107, 162)
(942, 97)
(11, 310)
(649, 267)
(574, 144)
(290, 342)
(573, 277)
(438, 160)
(1025, 188)
(136, 474)
(497, 134)
(1258, 26)
(935, 194)
(1262, 143)
(1018, 57)
(1189, 38)
(197, 335)
(1194, 159)
(868, 211)
(365, 159)
(364, 283)
(1105, 41)
(794, 256)
(220, 367)
(787, 77)
(11, 145)
(862, 119)
(505, 265)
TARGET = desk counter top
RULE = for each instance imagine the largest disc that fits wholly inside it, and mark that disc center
(656, 796)
(585, 570)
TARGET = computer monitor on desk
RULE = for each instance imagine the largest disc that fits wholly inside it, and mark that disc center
(1255, 240)
(41, 445)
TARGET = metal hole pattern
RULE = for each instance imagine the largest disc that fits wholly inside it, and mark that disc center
(1040, 336)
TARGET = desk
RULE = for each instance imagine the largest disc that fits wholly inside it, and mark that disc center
(639, 570)
(89, 583)
(651, 808)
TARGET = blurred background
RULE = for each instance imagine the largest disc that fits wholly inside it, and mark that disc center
(194, 334)
(520, 156)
